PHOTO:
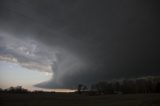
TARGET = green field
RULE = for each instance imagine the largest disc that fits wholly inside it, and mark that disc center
(79, 100)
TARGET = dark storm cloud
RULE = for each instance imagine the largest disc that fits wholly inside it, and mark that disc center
(114, 38)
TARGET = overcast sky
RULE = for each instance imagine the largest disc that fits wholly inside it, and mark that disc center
(81, 41)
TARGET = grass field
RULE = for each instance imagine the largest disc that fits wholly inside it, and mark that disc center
(79, 100)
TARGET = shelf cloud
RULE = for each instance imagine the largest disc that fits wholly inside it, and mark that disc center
(81, 41)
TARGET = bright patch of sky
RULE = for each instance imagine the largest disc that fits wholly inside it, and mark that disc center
(12, 74)
(26, 61)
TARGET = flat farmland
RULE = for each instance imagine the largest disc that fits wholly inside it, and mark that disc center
(59, 99)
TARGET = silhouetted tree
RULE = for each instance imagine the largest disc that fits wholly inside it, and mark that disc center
(158, 87)
(79, 88)
(84, 88)
(17, 89)
(1, 90)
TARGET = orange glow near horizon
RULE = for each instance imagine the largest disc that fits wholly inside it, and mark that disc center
(12, 74)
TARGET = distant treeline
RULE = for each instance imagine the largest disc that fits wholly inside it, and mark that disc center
(21, 90)
(139, 85)
(128, 86)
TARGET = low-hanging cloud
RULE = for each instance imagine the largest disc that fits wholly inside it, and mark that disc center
(33, 55)
(25, 53)
(83, 41)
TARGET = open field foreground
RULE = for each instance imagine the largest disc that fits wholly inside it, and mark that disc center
(79, 100)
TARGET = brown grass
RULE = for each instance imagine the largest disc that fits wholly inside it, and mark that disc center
(79, 100)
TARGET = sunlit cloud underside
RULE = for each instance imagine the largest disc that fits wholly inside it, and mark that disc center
(27, 62)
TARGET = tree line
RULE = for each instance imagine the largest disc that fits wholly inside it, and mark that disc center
(17, 89)
(127, 86)
(21, 90)
(139, 85)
